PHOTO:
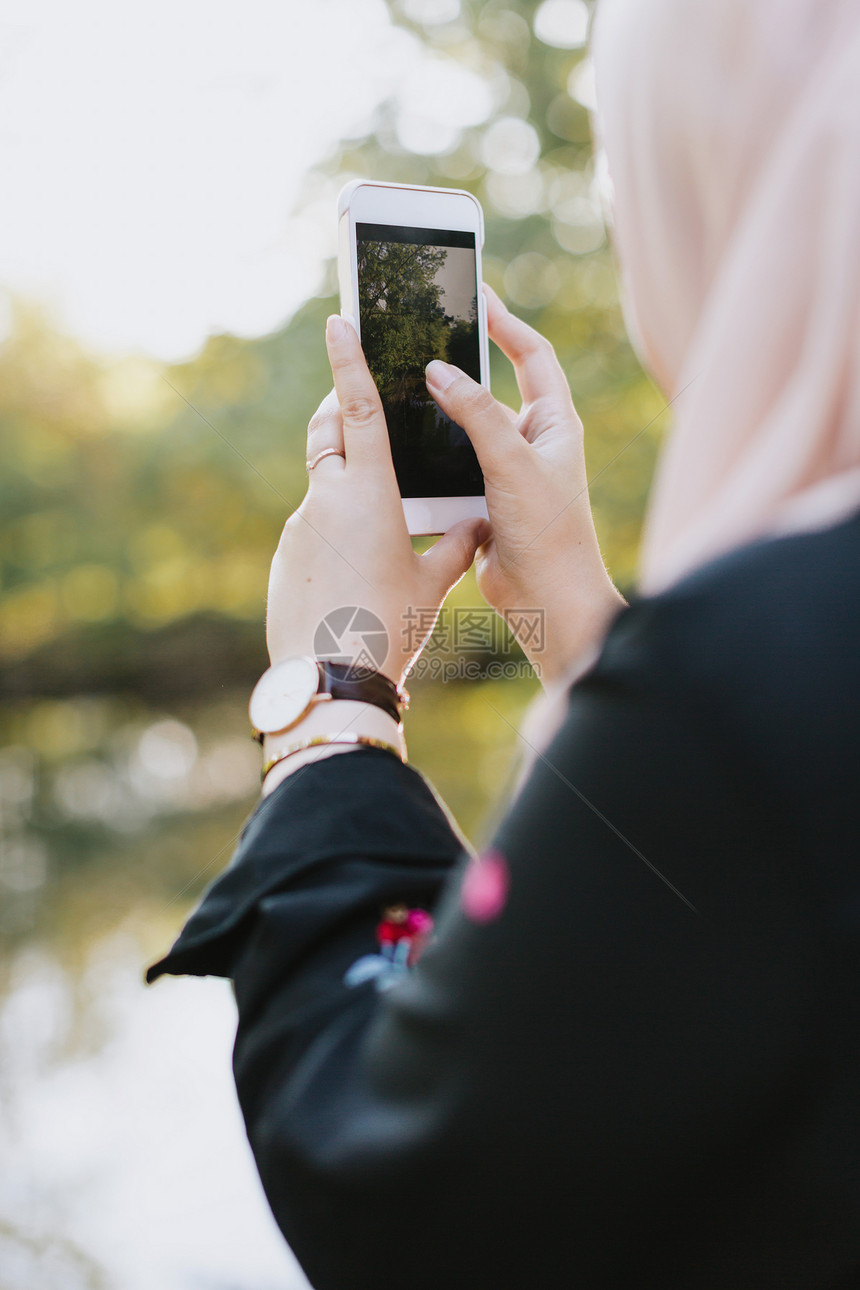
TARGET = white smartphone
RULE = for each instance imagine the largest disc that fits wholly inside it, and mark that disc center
(409, 265)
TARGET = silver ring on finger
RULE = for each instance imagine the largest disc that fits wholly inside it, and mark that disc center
(326, 452)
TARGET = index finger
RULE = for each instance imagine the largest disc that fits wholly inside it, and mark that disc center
(365, 433)
(538, 371)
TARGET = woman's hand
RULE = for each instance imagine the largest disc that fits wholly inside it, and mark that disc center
(347, 544)
(543, 554)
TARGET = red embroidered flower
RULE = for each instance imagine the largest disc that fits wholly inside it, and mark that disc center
(401, 925)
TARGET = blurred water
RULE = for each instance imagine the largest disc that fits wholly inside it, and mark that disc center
(123, 1158)
(125, 1162)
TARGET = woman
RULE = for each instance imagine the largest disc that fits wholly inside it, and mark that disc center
(630, 1055)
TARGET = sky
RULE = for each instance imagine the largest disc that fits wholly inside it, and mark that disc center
(457, 280)
(152, 155)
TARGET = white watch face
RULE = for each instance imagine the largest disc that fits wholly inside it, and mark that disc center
(283, 694)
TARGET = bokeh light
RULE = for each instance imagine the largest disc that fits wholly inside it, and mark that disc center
(562, 23)
(151, 157)
(510, 146)
(441, 100)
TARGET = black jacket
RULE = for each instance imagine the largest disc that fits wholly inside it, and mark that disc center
(645, 1072)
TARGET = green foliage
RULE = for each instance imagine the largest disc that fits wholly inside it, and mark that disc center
(141, 505)
(134, 497)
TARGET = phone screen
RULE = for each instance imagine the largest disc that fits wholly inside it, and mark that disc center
(418, 300)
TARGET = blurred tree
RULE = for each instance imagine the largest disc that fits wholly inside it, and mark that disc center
(141, 505)
(137, 499)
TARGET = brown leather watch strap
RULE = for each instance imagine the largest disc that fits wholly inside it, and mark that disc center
(362, 684)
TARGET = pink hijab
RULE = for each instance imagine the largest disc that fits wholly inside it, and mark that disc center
(732, 134)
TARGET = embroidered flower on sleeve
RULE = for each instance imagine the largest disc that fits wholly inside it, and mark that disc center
(401, 934)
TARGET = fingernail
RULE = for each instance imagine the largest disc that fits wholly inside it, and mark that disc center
(336, 329)
(441, 374)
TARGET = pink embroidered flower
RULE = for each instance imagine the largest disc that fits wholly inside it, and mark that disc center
(418, 923)
(484, 892)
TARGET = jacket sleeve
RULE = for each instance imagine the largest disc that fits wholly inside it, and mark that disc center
(581, 1078)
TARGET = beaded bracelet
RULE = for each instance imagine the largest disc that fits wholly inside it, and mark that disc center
(345, 737)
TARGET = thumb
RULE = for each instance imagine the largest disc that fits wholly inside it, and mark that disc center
(500, 448)
(450, 557)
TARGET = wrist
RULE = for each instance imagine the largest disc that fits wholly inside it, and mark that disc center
(290, 689)
(574, 630)
(337, 717)
(284, 769)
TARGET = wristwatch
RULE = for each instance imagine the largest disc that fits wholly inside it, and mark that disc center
(287, 692)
